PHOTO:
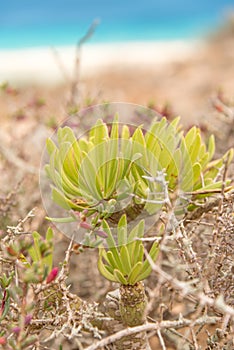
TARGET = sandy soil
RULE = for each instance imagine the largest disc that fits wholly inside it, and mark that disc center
(186, 83)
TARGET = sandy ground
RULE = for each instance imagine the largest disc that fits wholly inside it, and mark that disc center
(42, 65)
(184, 75)
(187, 85)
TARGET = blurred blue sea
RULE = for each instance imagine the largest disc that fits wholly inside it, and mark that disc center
(29, 23)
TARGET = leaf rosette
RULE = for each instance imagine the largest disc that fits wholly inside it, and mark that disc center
(113, 170)
(126, 263)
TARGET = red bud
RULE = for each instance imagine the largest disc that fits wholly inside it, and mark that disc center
(11, 251)
(2, 341)
(52, 275)
(219, 108)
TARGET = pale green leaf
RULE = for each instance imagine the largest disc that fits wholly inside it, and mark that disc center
(134, 273)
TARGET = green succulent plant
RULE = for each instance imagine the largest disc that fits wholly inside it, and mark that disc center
(112, 170)
(114, 173)
(125, 263)
(38, 262)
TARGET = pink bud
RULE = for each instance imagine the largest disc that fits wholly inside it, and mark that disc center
(16, 330)
(52, 275)
(85, 225)
(2, 341)
(27, 320)
(101, 233)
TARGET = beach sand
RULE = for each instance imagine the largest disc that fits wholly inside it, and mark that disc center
(182, 74)
(43, 65)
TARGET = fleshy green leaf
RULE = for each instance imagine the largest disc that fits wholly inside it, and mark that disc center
(134, 273)
(122, 230)
(120, 277)
(125, 259)
(105, 272)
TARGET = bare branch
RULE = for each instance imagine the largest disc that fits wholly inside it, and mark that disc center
(161, 340)
(152, 326)
(76, 74)
(185, 288)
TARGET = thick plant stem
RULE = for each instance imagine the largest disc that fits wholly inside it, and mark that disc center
(130, 311)
(132, 304)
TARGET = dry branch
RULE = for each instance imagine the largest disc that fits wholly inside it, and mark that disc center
(153, 326)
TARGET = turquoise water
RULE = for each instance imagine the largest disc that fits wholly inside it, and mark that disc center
(27, 23)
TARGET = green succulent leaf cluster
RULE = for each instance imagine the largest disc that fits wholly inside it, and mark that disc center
(186, 159)
(109, 168)
(37, 259)
(91, 173)
(126, 263)
(42, 249)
